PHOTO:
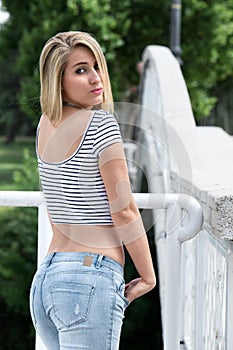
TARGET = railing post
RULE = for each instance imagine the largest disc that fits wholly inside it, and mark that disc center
(44, 238)
(172, 285)
(44, 232)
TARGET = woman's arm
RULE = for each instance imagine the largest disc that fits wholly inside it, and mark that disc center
(127, 219)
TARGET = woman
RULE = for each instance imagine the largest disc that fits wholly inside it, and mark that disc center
(78, 295)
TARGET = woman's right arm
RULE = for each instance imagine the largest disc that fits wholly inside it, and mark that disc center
(127, 219)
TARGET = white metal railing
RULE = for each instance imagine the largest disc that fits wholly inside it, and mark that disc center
(177, 233)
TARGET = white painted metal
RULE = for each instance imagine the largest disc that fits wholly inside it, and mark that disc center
(176, 234)
(44, 233)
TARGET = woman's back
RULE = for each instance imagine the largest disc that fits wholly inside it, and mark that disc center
(75, 194)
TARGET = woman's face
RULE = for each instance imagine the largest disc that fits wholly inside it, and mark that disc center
(82, 82)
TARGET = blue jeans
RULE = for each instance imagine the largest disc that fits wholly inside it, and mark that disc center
(77, 301)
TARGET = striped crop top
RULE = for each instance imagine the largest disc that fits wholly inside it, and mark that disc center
(73, 189)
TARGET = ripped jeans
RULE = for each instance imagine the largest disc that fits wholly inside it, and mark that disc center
(77, 301)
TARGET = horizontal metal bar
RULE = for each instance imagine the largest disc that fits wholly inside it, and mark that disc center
(21, 198)
(143, 200)
(167, 200)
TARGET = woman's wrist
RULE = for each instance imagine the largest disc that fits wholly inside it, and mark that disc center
(138, 287)
(150, 282)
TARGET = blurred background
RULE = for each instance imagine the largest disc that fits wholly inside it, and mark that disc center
(123, 28)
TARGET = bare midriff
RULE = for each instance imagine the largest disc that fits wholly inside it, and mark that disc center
(61, 243)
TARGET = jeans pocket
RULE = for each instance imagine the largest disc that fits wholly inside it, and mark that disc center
(121, 292)
(71, 302)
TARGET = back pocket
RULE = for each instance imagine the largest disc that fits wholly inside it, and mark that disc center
(71, 302)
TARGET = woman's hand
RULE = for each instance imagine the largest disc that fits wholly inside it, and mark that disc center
(138, 287)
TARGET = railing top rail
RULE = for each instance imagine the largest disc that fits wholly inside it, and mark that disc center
(21, 198)
(143, 200)
(168, 200)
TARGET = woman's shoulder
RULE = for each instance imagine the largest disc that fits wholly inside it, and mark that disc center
(101, 112)
(104, 116)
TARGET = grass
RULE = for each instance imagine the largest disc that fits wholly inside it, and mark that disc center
(11, 158)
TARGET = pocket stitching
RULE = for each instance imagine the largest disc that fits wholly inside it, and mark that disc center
(120, 292)
(84, 315)
(127, 302)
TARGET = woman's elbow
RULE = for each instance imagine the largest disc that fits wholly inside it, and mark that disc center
(126, 215)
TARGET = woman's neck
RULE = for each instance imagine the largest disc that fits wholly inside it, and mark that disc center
(73, 105)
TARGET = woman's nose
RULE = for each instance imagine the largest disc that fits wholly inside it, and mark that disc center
(95, 77)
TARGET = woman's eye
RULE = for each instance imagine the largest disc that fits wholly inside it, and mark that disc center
(80, 70)
(96, 67)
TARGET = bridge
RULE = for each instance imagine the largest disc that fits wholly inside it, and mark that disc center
(173, 155)
(188, 171)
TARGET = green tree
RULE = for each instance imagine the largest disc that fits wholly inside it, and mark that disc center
(97, 17)
(10, 114)
(124, 28)
(207, 37)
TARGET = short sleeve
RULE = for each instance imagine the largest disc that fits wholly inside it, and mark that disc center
(107, 133)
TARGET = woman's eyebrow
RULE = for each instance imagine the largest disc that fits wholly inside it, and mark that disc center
(79, 64)
(83, 64)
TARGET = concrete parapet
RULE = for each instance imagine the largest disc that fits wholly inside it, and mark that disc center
(200, 158)
(212, 184)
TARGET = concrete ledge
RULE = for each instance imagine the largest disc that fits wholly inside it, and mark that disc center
(212, 184)
(217, 206)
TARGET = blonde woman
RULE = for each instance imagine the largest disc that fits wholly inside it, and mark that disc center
(78, 295)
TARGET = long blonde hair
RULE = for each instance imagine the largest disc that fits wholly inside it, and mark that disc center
(53, 62)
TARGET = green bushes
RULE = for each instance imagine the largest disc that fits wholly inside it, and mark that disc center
(18, 236)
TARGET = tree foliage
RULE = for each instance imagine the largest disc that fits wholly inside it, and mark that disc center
(207, 36)
(123, 28)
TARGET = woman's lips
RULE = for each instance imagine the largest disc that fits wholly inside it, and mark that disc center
(97, 91)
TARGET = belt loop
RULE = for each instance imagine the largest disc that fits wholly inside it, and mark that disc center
(99, 260)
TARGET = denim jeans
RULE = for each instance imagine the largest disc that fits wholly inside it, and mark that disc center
(77, 301)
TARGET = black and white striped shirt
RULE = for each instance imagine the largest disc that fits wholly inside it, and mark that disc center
(74, 189)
